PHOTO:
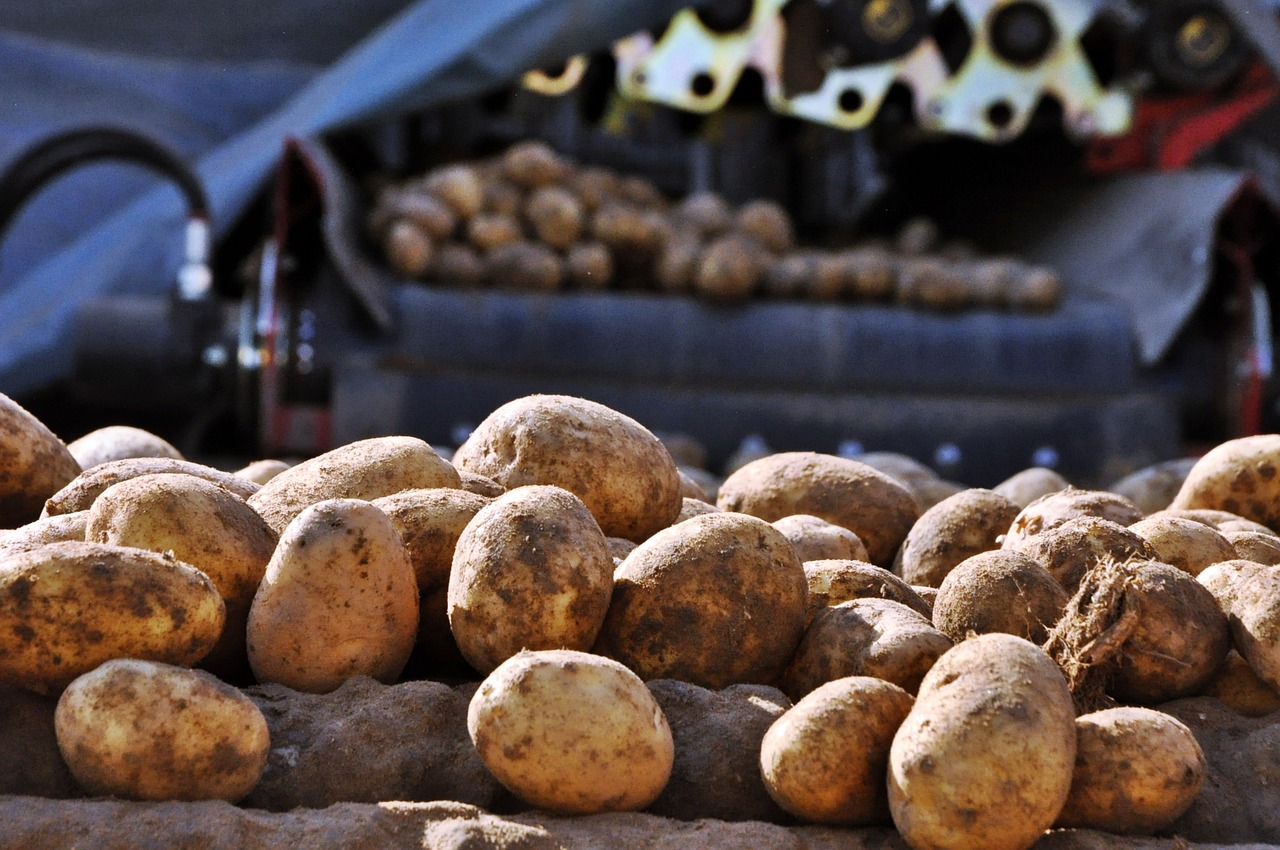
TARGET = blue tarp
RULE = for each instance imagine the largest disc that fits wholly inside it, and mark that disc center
(231, 108)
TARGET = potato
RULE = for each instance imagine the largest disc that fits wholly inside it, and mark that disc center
(408, 250)
(1034, 289)
(729, 269)
(594, 187)
(261, 471)
(932, 492)
(1220, 520)
(917, 236)
(1223, 580)
(694, 507)
(1237, 476)
(53, 529)
(1154, 487)
(832, 581)
(825, 759)
(200, 524)
(998, 592)
(148, 731)
(768, 224)
(524, 265)
(789, 276)
(984, 759)
(844, 492)
(1255, 622)
(1240, 689)
(830, 279)
(116, 442)
(1071, 549)
(619, 469)
(706, 213)
(88, 485)
(865, 637)
(589, 265)
(928, 594)
(531, 570)
(815, 539)
(690, 488)
(458, 265)
(533, 164)
(430, 215)
(67, 607)
(619, 548)
(429, 522)
(555, 216)
(642, 192)
(502, 197)
(677, 265)
(338, 600)
(492, 230)
(1049, 512)
(1025, 487)
(631, 234)
(930, 282)
(459, 187)
(365, 469)
(869, 273)
(951, 531)
(717, 600)
(34, 464)
(572, 733)
(1254, 546)
(904, 469)
(1137, 770)
(1183, 543)
(481, 485)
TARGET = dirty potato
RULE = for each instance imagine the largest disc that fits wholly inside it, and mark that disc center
(116, 442)
(338, 600)
(189, 735)
(555, 216)
(832, 581)
(52, 529)
(729, 269)
(716, 600)
(34, 464)
(619, 469)
(1240, 689)
(531, 570)
(694, 507)
(365, 469)
(815, 539)
(459, 187)
(524, 265)
(80, 493)
(533, 164)
(1071, 549)
(845, 492)
(1255, 622)
(951, 531)
(589, 265)
(998, 592)
(1025, 487)
(707, 213)
(768, 224)
(1239, 476)
(571, 732)
(1154, 487)
(1049, 512)
(68, 607)
(825, 759)
(1187, 545)
(1254, 546)
(261, 471)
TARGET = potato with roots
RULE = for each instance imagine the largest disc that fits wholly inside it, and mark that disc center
(984, 758)
(865, 637)
(1025, 487)
(116, 442)
(999, 592)
(1190, 546)
(845, 492)
(572, 733)
(1068, 551)
(825, 759)
(1049, 512)
(815, 539)
(951, 531)
(836, 580)
(1137, 770)
(34, 464)
(1241, 476)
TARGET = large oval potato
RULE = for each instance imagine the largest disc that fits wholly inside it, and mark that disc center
(200, 524)
(717, 600)
(845, 492)
(825, 759)
(118, 442)
(1240, 476)
(34, 464)
(365, 469)
(999, 592)
(65, 608)
(984, 759)
(1188, 545)
(953, 530)
(81, 492)
(616, 466)
(572, 732)
(531, 570)
(148, 731)
(338, 600)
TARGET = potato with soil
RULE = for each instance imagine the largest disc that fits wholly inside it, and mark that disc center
(1071, 549)
(34, 464)
(1223, 521)
(408, 250)
(1239, 476)
(531, 570)
(706, 213)
(690, 508)
(825, 759)
(1255, 622)
(117, 442)
(190, 736)
(815, 539)
(1240, 689)
(865, 637)
(80, 494)
(1049, 512)
(1188, 545)
(767, 224)
(365, 469)
(1137, 770)
(572, 733)
(589, 265)
(524, 265)
(619, 469)
(200, 524)
(262, 471)
(729, 270)
(1154, 487)
(999, 592)
(51, 529)
(956, 528)
(1254, 546)
(1223, 580)
(555, 216)
(69, 607)
(984, 759)
(717, 600)
(338, 600)
(844, 492)
(458, 186)
(832, 581)
(1026, 486)
(533, 164)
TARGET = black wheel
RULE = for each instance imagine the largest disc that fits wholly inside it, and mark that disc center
(865, 32)
(1192, 45)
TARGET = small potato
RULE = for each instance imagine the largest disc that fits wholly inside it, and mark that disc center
(34, 465)
(1071, 549)
(408, 250)
(869, 273)
(1254, 546)
(1187, 545)
(832, 581)
(458, 265)
(677, 265)
(1049, 512)
(338, 600)
(116, 442)
(431, 216)
(815, 539)
(589, 265)
(492, 230)
(692, 508)
(845, 492)
(481, 485)
(1025, 487)
(619, 548)
(572, 732)
(147, 731)
(1154, 487)
(531, 570)
(830, 279)
(768, 224)
(1035, 289)
(716, 600)
(789, 276)
(1239, 476)
(984, 759)
(53, 529)
(729, 269)
(459, 187)
(1240, 689)
(999, 592)
(80, 494)
(707, 213)
(524, 265)
(555, 216)
(619, 469)
(825, 759)
(502, 197)
(865, 637)
(951, 531)
(904, 469)
(1220, 520)
(629, 233)
(917, 236)
(366, 469)
(690, 488)
(594, 187)
(67, 607)
(642, 192)
(1137, 770)
(262, 471)
(930, 493)
(533, 164)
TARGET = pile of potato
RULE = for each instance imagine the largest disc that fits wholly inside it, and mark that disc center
(532, 220)
(974, 673)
